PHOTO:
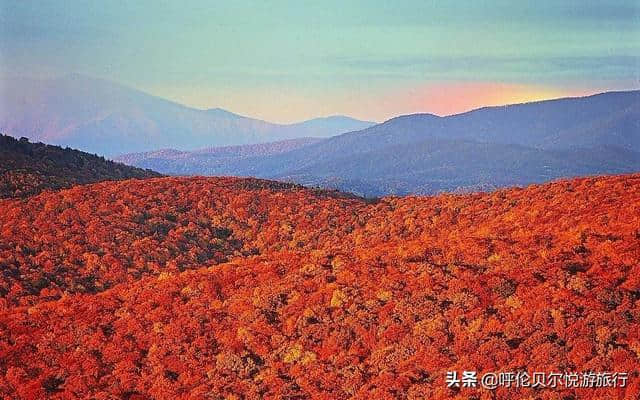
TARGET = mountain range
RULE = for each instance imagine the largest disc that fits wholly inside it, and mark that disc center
(424, 153)
(210, 160)
(107, 118)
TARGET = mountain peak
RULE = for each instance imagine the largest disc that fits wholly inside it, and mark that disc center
(108, 118)
(414, 117)
(221, 112)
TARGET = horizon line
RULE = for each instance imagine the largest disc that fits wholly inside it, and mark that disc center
(300, 121)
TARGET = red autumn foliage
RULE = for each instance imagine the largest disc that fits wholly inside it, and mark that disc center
(232, 288)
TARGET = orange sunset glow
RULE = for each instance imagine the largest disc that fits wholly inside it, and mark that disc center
(442, 99)
(448, 99)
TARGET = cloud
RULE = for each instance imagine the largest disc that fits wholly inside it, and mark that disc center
(501, 68)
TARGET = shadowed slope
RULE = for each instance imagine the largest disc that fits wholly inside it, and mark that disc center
(29, 168)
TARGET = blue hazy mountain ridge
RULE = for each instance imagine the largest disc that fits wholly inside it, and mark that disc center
(210, 161)
(485, 148)
(107, 118)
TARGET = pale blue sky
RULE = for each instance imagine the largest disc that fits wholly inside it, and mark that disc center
(290, 60)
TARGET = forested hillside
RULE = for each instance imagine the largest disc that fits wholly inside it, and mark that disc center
(241, 288)
(29, 168)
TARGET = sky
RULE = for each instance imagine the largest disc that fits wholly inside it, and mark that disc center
(286, 61)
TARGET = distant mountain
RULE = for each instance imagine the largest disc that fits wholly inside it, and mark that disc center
(440, 165)
(29, 168)
(485, 148)
(214, 160)
(110, 119)
(608, 118)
